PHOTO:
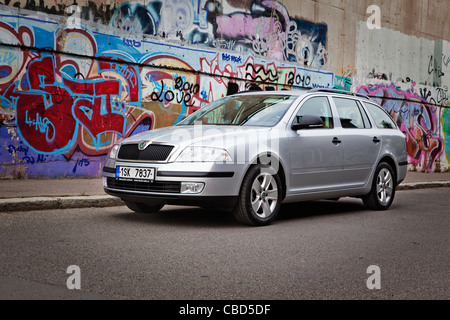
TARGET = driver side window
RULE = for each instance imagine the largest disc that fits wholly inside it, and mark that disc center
(318, 106)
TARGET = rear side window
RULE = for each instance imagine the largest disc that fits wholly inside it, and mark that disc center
(350, 114)
(381, 118)
(318, 106)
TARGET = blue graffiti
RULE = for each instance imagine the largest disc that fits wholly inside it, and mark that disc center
(80, 163)
(16, 149)
(232, 58)
(44, 125)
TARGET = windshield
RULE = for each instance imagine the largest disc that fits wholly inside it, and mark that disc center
(243, 110)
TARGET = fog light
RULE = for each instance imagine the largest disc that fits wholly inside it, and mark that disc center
(192, 187)
(105, 184)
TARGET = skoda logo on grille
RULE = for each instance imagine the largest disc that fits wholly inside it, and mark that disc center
(143, 144)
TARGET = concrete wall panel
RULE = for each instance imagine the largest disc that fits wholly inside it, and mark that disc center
(75, 76)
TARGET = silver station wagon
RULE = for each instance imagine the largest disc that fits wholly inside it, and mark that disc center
(250, 152)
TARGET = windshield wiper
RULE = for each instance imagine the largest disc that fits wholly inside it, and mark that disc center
(251, 116)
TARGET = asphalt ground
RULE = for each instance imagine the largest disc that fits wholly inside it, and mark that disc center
(45, 194)
(316, 250)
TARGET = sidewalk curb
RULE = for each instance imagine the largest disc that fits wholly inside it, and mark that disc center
(50, 203)
(423, 185)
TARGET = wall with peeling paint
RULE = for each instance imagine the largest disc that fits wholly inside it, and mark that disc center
(77, 76)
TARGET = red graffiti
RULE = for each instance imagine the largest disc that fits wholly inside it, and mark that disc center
(49, 113)
(44, 113)
(99, 113)
(127, 72)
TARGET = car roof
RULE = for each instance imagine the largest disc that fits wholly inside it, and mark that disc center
(338, 91)
(299, 92)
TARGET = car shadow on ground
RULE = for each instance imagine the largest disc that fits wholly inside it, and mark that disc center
(182, 216)
(201, 217)
(307, 209)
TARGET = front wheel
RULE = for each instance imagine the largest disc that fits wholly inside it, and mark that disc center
(260, 197)
(382, 193)
(143, 207)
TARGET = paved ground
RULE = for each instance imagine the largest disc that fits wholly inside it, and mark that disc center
(318, 250)
(29, 194)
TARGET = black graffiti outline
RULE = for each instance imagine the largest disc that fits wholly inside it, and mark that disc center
(298, 79)
(169, 96)
(431, 68)
(270, 76)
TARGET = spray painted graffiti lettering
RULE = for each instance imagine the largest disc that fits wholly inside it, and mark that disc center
(438, 97)
(18, 149)
(418, 120)
(183, 94)
(299, 80)
(94, 84)
(434, 68)
(41, 158)
(131, 43)
(232, 58)
(445, 60)
(42, 125)
(80, 163)
(260, 74)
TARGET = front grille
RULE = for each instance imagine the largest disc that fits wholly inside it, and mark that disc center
(155, 186)
(154, 152)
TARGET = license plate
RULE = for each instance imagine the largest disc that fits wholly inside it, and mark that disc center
(135, 173)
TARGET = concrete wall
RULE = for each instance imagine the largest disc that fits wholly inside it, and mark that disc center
(77, 76)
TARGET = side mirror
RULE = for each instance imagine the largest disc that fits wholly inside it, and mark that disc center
(307, 122)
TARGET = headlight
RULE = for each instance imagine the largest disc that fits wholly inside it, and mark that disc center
(114, 151)
(203, 154)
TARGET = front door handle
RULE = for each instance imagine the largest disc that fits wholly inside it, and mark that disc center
(336, 141)
(376, 140)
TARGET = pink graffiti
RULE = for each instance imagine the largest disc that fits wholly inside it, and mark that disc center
(244, 25)
(417, 120)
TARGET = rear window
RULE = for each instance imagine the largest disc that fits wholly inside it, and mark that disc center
(381, 118)
(350, 114)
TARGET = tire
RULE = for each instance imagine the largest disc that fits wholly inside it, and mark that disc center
(382, 193)
(143, 207)
(260, 197)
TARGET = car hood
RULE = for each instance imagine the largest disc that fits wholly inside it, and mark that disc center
(204, 135)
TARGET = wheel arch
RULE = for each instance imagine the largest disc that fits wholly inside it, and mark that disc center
(280, 168)
(390, 161)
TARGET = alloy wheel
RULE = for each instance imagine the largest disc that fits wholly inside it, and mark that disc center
(385, 186)
(264, 195)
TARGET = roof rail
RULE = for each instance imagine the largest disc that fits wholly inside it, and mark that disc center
(339, 91)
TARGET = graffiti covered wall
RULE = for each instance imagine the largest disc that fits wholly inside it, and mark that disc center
(76, 76)
(75, 79)
(409, 77)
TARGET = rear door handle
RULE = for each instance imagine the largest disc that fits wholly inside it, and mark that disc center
(376, 140)
(336, 141)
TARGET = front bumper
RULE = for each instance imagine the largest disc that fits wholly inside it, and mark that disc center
(182, 200)
(222, 183)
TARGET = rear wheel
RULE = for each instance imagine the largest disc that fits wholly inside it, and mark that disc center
(382, 193)
(260, 197)
(143, 207)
